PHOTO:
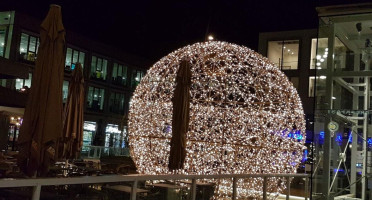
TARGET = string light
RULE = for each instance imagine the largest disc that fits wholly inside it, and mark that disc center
(244, 113)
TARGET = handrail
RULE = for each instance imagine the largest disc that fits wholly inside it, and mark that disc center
(37, 183)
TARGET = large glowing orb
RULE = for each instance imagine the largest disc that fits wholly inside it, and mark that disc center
(245, 117)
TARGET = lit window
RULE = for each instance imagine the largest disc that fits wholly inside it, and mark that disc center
(119, 74)
(28, 47)
(3, 32)
(117, 103)
(319, 55)
(95, 98)
(98, 68)
(113, 137)
(136, 77)
(65, 91)
(284, 54)
(3, 82)
(72, 57)
(23, 84)
(88, 135)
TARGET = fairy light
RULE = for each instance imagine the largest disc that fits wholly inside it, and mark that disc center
(243, 114)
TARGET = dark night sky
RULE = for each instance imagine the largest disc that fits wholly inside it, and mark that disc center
(155, 28)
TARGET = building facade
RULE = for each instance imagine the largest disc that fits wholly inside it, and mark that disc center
(294, 52)
(342, 150)
(330, 67)
(110, 79)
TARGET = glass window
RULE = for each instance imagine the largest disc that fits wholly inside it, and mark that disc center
(3, 32)
(65, 91)
(119, 74)
(343, 57)
(3, 82)
(98, 68)
(88, 135)
(28, 47)
(72, 57)
(284, 53)
(311, 86)
(23, 84)
(95, 98)
(319, 59)
(136, 77)
(32, 44)
(113, 136)
(19, 83)
(117, 103)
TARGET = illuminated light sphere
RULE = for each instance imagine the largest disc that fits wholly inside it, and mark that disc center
(245, 118)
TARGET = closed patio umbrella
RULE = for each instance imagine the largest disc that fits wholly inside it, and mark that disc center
(42, 122)
(180, 117)
(72, 139)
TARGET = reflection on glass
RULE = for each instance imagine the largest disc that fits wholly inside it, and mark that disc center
(343, 56)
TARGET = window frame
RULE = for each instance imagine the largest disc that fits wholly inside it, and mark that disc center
(27, 50)
(97, 58)
(283, 42)
(90, 105)
(80, 52)
(117, 96)
(123, 82)
(134, 73)
(23, 82)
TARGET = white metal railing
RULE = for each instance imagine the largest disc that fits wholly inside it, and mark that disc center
(37, 183)
(99, 151)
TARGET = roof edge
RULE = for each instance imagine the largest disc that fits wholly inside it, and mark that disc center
(344, 9)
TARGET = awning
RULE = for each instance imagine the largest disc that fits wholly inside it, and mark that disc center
(12, 68)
